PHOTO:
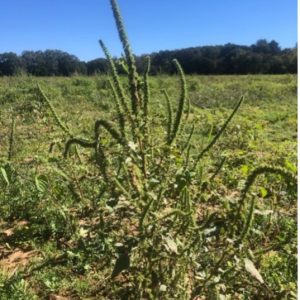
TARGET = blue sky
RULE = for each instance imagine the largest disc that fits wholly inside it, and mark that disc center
(76, 26)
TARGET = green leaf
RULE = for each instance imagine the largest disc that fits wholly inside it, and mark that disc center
(41, 183)
(290, 166)
(263, 192)
(245, 170)
(4, 174)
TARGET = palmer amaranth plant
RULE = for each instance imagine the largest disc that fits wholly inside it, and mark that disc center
(153, 183)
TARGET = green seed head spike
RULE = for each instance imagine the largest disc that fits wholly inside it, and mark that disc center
(146, 87)
(117, 86)
(115, 77)
(170, 117)
(56, 117)
(146, 98)
(121, 117)
(182, 99)
(110, 129)
(122, 33)
(286, 175)
(218, 135)
(132, 73)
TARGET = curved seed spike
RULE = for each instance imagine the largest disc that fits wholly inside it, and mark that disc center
(101, 159)
(170, 117)
(82, 143)
(56, 117)
(289, 177)
(103, 165)
(216, 137)
(99, 151)
(110, 129)
(181, 102)
(132, 73)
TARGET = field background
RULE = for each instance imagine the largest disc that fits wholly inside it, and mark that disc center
(42, 219)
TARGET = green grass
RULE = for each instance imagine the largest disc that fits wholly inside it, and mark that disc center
(75, 230)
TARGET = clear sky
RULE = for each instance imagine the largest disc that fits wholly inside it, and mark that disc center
(76, 26)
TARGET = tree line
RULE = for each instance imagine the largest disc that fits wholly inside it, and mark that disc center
(263, 57)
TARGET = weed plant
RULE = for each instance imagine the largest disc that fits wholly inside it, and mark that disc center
(156, 230)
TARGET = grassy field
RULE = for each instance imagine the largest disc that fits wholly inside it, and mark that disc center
(63, 234)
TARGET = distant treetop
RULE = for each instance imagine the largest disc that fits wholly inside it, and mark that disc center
(261, 58)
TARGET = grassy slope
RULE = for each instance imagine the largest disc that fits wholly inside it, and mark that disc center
(263, 132)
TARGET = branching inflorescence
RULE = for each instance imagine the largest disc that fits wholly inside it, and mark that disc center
(133, 131)
(132, 112)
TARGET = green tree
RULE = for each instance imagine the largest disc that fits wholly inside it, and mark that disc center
(10, 64)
